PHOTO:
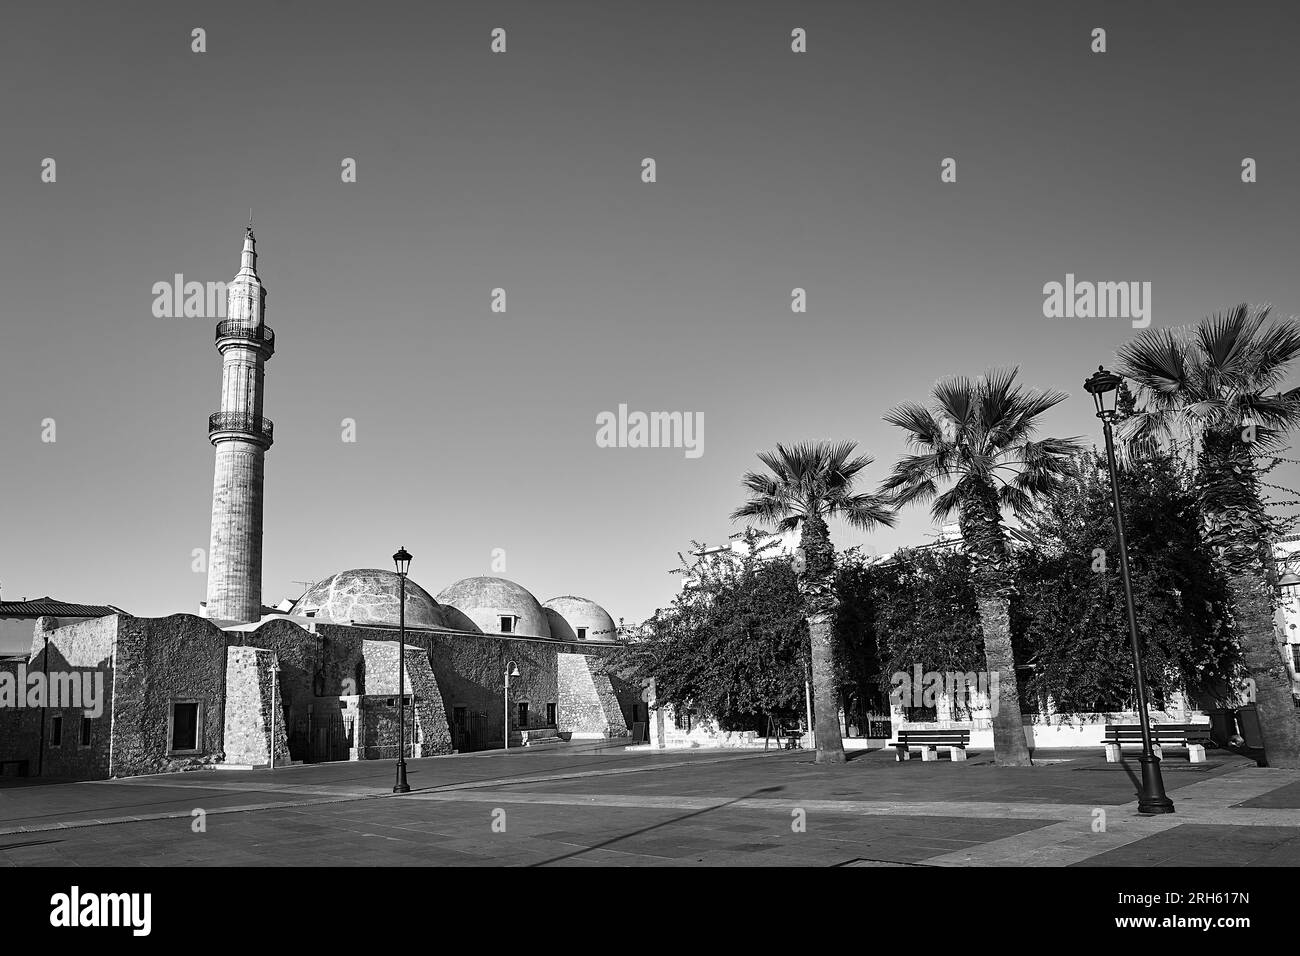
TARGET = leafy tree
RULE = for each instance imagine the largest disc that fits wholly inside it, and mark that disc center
(978, 438)
(1212, 391)
(926, 613)
(857, 656)
(1071, 608)
(803, 486)
(732, 643)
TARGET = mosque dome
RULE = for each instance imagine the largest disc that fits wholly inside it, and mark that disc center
(493, 606)
(367, 596)
(578, 619)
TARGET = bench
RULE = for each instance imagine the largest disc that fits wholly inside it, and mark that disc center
(20, 767)
(1192, 736)
(793, 734)
(929, 742)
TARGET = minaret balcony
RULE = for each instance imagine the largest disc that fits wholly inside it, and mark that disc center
(235, 425)
(258, 335)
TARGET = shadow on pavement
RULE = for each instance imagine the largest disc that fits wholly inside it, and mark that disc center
(657, 826)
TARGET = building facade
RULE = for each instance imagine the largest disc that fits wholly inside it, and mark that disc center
(240, 684)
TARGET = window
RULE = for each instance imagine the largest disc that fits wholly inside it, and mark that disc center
(56, 731)
(183, 732)
(582, 633)
(550, 715)
(85, 731)
(507, 624)
(523, 713)
(1295, 654)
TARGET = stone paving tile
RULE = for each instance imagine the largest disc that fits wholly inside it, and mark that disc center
(1208, 845)
(1283, 798)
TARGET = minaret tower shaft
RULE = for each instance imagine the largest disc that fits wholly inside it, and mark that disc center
(241, 435)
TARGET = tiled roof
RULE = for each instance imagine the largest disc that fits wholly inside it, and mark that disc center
(48, 605)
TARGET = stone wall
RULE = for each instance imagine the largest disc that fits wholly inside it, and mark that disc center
(148, 664)
(626, 686)
(16, 632)
(433, 735)
(74, 650)
(20, 727)
(250, 673)
(379, 727)
(471, 668)
(160, 661)
(319, 664)
(588, 706)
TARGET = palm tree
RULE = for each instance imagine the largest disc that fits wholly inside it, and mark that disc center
(804, 485)
(1213, 391)
(978, 436)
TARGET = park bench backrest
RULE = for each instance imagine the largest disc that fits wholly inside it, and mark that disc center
(933, 736)
(1126, 733)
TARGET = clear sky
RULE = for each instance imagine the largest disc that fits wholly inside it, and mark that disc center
(522, 170)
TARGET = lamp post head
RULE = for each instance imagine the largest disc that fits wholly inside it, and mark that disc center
(512, 669)
(402, 560)
(1104, 388)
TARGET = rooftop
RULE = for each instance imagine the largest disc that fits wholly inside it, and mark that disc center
(37, 607)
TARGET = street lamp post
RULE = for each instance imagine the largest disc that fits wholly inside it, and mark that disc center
(1103, 385)
(402, 560)
(512, 670)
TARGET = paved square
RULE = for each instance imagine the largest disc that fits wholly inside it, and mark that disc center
(596, 804)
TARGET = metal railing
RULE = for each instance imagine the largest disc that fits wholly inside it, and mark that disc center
(262, 428)
(235, 329)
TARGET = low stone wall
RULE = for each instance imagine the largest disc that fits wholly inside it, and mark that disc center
(704, 732)
(1060, 731)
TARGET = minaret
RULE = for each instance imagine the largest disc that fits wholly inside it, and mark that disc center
(241, 436)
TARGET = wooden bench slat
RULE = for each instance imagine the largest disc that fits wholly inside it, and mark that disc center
(932, 738)
(1159, 726)
(932, 743)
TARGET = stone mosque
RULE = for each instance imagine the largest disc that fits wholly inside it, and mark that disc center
(244, 685)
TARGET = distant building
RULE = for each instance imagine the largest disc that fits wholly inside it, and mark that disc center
(785, 544)
(18, 618)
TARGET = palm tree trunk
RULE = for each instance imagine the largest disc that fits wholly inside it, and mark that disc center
(818, 593)
(1253, 614)
(986, 546)
(826, 718)
(1009, 746)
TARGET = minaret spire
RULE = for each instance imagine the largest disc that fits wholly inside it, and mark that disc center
(248, 258)
(241, 435)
